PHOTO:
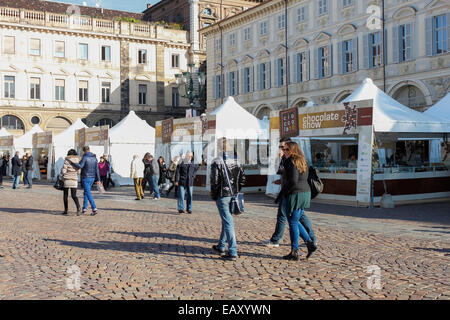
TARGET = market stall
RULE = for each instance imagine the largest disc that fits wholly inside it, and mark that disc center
(356, 147)
(24, 144)
(43, 153)
(96, 138)
(248, 134)
(130, 136)
(6, 145)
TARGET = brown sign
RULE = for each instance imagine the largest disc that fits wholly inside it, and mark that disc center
(7, 141)
(80, 137)
(322, 120)
(365, 116)
(42, 139)
(289, 123)
(167, 129)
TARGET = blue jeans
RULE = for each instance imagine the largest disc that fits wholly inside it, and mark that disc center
(227, 235)
(87, 185)
(16, 180)
(281, 225)
(296, 229)
(155, 186)
(181, 192)
(27, 178)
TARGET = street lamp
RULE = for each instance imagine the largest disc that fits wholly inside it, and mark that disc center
(187, 79)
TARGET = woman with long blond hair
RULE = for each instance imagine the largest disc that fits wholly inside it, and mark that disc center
(296, 197)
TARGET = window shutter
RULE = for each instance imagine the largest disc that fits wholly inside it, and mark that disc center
(355, 55)
(330, 60)
(295, 66)
(448, 32)
(243, 80)
(35, 44)
(269, 79)
(59, 46)
(258, 76)
(237, 82)
(308, 61)
(429, 35)
(252, 88)
(277, 73)
(366, 58)
(316, 64)
(341, 57)
(384, 46)
(408, 41)
(214, 87)
(9, 44)
(288, 70)
(396, 44)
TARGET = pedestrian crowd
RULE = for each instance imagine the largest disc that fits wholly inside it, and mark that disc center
(227, 179)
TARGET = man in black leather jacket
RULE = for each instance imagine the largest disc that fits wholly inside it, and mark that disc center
(221, 193)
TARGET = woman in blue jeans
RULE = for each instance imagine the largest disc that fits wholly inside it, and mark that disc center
(296, 195)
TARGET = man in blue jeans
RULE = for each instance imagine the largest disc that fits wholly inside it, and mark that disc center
(155, 177)
(89, 174)
(221, 193)
(281, 215)
(16, 170)
(184, 179)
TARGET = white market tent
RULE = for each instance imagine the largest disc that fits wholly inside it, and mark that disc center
(234, 122)
(4, 132)
(63, 142)
(441, 109)
(389, 115)
(130, 136)
(25, 143)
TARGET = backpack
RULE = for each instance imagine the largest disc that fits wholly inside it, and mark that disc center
(314, 182)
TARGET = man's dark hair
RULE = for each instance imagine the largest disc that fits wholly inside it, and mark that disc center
(285, 139)
(86, 149)
(72, 152)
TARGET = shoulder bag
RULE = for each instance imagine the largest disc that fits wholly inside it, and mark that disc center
(237, 200)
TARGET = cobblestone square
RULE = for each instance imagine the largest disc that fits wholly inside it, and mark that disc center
(146, 250)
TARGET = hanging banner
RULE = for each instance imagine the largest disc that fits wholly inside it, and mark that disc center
(167, 129)
(42, 139)
(96, 136)
(7, 141)
(289, 123)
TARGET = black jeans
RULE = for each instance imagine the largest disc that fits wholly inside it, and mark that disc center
(149, 181)
(73, 192)
(104, 180)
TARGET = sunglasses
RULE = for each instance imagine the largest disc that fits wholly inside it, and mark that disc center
(286, 149)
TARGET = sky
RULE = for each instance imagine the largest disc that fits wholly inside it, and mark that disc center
(124, 5)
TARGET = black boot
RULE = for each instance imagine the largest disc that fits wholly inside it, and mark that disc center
(311, 248)
(289, 256)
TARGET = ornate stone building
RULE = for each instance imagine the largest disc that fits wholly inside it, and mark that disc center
(322, 50)
(60, 62)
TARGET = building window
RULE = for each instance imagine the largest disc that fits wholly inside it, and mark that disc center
(105, 122)
(218, 44)
(10, 87)
(106, 53)
(302, 66)
(247, 80)
(206, 24)
(347, 3)
(142, 56)
(83, 91)
(84, 54)
(106, 92)
(232, 86)
(175, 61)
(9, 45)
(175, 97)
(143, 94)
(232, 40)
(11, 123)
(35, 47)
(281, 21)
(264, 75)
(347, 47)
(60, 90)
(218, 87)
(60, 49)
(263, 28)
(404, 32)
(207, 11)
(323, 7)
(35, 120)
(247, 34)
(440, 34)
(301, 14)
(35, 88)
(324, 62)
(375, 43)
(280, 72)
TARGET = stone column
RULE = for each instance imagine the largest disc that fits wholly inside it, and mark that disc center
(194, 21)
(160, 77)
(124, 78)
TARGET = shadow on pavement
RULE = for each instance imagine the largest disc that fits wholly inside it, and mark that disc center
(20, 210)
(141, 211)
(156, 248)
(440, 250)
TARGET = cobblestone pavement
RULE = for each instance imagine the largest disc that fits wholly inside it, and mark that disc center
(146, 250)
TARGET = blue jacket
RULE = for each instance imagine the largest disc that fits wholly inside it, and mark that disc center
(88, 166)
(185, 173)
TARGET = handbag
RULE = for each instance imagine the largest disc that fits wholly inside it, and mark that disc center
(314, 182)
(59, 184)
(237, 200)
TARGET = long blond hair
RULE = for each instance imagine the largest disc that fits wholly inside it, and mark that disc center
(298, 159)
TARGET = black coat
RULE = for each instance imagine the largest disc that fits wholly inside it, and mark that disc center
(29, 163)
(185, 174)
(16, 169)
(3, 166)
(219, 183)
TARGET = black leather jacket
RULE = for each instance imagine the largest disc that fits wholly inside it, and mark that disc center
(219, 183)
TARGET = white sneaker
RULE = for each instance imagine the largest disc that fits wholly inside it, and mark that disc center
(271, 244)
(155, 198)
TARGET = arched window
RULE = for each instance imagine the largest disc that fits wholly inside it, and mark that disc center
(412, 97)
(57, 125)
(10, 122)
(105, 122)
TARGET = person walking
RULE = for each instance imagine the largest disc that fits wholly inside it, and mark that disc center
(171, 175)
(148, 172)
(4, 161)
(162, 174)
(155, 177)
(184, 179)
(224, 168)
(281, 215)
(296, 197)
(70, 177)
(103, 168)
(16, 170)
(28, 170)
(137, 174)
(89, 174)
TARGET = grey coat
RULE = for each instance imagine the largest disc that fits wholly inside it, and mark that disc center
(70, 173)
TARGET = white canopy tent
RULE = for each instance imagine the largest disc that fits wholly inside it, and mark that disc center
(63, 142)
(25, 143)
(441, 109)
(389, 115)
(4, 132)
(130, 136)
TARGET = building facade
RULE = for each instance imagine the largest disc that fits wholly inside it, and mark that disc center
(68, 62)
(287, 53)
